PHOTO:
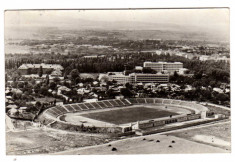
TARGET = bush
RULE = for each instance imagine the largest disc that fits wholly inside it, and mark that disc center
(114, 149)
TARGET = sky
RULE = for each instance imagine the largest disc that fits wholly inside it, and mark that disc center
(213, 20)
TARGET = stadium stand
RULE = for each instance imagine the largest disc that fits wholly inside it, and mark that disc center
(158, 100)
(132, 100)
(68, 107)
(104, 104)
(76, 107)
(166, 101)
(149, 100)
(107, 103)
(199, 107)
(97, 105)
(112, 102)
(89, 106)
(82, 106)
(140, 100)
(61, 109)
(175, 102)
(127, 103)
(186, 104)
(120, 103)
(52, 113)
(46, 121)
(56, 110)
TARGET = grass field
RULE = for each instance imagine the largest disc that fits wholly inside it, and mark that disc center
(127, 115)
(215, 135)
(44, 141)
(147, 145)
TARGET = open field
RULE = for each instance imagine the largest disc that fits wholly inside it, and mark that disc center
(128, 115)
(188, 140)
(147, 145)
(218, 135)
(43, 141)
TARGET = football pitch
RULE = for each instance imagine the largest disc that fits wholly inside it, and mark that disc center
(128, 115)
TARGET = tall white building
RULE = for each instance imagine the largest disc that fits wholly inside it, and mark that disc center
(170, 67)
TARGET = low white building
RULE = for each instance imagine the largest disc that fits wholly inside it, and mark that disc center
(90, 100)
(139, 68)
(182, 71)
(218, 90)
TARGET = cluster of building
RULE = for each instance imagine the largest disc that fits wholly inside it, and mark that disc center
(195, 53)
(162, 69)
(26, 69)
(214, 57)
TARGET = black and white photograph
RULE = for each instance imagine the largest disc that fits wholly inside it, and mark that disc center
(134, 81)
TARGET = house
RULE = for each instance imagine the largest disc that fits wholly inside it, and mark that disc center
(183, 71)
(119, 97)
(56, 73)
(22, 109)
(218, 90)
(16, 91)
(63, 88)
(188, 88)
(90, 100)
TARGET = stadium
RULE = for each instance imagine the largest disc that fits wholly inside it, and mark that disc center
(124, 115)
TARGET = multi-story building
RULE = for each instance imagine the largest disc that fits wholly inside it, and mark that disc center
(26, 69)
(149, 78)
(139, 78)
(170, 67)
(119, 77)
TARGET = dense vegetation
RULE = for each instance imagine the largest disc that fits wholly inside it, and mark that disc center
(215, 71)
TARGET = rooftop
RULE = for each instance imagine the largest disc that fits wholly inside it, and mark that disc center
(161, 62)
(53, 66)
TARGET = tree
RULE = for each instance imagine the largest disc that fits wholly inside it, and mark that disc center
(37, 88)
(66, 74)
(47, 79)
(52, 85)
(48, 71)
(20, 85)
(32, 81)
(222, 97)
(88, 80)
(176, 74)
(74, 74)
(56, 80)
(77, 80)
(44, 91)
(6, 78)
(126, 92)
(128, 85)
(213, 83)
(38, 105)
(198, 75)
(148, 70)
(40, 71)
